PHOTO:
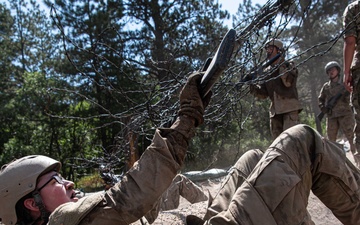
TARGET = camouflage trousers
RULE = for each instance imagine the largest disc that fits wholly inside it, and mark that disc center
(343, 123)
(355, 101)
(272, 188)
(281, 122)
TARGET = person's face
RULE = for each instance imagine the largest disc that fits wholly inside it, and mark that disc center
(333, 72)
(271, 51)
(55, 191)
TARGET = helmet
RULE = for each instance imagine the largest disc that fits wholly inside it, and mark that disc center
(332, 64)
(18, 179)
(275, 42)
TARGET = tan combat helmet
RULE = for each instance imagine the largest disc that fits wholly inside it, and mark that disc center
(275, 42)
(18, 179)
(332, 64)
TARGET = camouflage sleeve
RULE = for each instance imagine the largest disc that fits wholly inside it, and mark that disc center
(153, 173)
(137, 192)
(259, 91)
(288, 73)
(142, 186)
(349, 20)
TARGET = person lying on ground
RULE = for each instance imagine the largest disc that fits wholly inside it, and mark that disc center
(35, 193)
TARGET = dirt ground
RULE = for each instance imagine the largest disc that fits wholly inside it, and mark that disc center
(320, 214)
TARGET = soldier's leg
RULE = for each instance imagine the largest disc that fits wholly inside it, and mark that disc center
(347, 126)
(355, 101)
(277, 190)
(336, 182)
(238, 173)
(290, 119)
(276, 125)
(332, 128)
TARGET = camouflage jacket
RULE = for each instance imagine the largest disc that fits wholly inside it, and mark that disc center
(280, 87)
(342, 106)
(137, 192)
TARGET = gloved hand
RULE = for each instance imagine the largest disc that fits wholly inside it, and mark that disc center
(191, 104)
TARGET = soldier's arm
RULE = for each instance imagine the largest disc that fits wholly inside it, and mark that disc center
(259, 91)
(350, 35)
(142, 186)
(349, 49)
(288, 73)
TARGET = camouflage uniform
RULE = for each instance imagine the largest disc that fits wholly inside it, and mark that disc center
(170, 199)
(285, 106)
(351, 23)
(272, 188)
(131, 198)
(142, 186)
(341, 115)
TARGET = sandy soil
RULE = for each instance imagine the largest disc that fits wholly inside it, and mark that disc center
(320, 214)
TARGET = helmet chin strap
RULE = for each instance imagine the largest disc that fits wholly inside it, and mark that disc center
(39, 203)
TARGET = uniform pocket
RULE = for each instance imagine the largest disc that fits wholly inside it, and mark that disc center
(273, 179)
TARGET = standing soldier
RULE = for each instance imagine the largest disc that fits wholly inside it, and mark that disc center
(339, 112)
(280, 87)
(351, 56)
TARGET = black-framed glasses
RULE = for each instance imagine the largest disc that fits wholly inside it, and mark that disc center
(56, 177)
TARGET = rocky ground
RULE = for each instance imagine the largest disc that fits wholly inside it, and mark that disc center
(320, 214)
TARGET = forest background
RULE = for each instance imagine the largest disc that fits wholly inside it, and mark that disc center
(87, 82)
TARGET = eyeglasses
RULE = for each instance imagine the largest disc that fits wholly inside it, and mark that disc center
(57, 178)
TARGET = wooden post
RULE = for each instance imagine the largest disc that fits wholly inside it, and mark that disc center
(133, 155)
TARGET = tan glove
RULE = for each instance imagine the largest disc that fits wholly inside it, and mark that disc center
(191, 104)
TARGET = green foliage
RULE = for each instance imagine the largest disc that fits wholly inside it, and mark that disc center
(74, 87)
(221, 142)
(7, 76)
(308, 117)
(91, 183)
(180, 36)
